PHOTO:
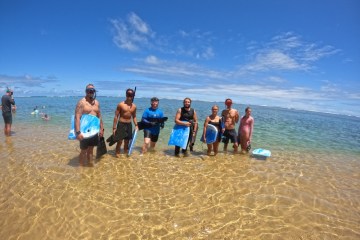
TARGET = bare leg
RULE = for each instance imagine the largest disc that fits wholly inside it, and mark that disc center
(243, 141)
(215, 147)
(89, 155)
(152, 146)
(235, 147)
(145, 145)
(225, 147)
(209, 146)
(117, 149)
(82, 157)
(126, 146)
(7, 129)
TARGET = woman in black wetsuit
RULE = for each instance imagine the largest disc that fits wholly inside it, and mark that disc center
(215, 120)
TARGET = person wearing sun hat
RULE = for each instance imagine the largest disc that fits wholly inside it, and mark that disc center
(6, 101)
(230, 117)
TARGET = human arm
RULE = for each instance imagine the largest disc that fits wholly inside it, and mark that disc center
(195, 123)
(78, 113)
(251, 129)
(116, 118)
(205, 126)
(178, 121)
(134, 119)
(98, 114)
(237, 117)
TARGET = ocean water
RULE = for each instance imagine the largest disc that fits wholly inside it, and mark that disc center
(308, 189)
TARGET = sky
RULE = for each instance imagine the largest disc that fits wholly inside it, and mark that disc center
(300, 54)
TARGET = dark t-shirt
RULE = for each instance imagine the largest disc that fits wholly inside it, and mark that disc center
(6, 102)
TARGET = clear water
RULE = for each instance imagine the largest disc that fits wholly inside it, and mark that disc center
(308, 189)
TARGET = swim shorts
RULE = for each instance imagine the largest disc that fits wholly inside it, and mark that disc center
(147, 134)
(89, 142)
(7, 117)
(123, 131)
(229, 134)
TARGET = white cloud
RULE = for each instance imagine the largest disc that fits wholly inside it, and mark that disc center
(132, 34)
(138, 24)
(152, 60)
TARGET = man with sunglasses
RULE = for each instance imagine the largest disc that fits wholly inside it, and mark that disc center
(88, 105)
(122, 127)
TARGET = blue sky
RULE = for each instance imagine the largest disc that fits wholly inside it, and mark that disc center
(303, 54)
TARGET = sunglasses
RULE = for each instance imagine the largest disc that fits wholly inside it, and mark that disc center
(129, 94)
(90, 90)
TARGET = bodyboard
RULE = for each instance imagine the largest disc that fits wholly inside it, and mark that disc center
(210, 134)
(179, 136)
(89, 126)
(261, 152)
(132, 142)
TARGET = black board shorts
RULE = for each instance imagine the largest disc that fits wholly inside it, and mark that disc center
(89, 142)
(7, 117)
(229, 135)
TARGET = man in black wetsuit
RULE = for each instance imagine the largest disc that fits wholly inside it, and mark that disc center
(186, 116)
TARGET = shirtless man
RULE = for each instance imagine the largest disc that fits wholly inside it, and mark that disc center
(122, 127)
(230, 117)
(87, 105)
(245, 130)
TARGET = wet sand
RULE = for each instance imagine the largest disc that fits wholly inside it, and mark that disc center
(44, 194)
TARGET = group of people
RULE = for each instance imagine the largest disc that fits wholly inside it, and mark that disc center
(153, 120)
(225, 123)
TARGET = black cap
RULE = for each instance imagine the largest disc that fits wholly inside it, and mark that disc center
(154, 99)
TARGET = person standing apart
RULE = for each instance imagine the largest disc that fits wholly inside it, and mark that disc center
(122, 127)
(6, 101)
(245, 131)
(186, 116)
(88, 105)
(215, 120)
(153, 118)
(230, 117)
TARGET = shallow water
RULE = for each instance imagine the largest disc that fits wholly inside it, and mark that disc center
(304, 191)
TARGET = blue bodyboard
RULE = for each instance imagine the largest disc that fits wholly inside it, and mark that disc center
(261, 152)
(210, 134)
(132, 142)
(179, 136)
(89, 126)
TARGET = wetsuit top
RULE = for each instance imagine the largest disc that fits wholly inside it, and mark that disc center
(6, 102)
(216, 124)
(187, 115)
(150, 115)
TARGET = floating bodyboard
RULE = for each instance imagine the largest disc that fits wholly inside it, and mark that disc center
(261, 152)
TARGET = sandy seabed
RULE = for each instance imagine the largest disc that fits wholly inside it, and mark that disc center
(45, 194)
